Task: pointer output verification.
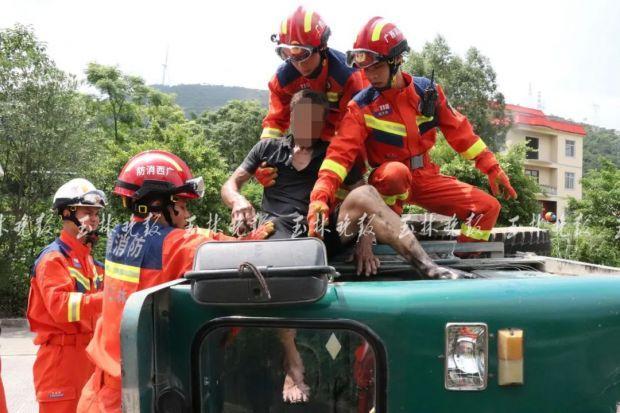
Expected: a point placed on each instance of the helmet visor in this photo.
(296, 53)
(194, 186)
(94, 198)
(362, 58)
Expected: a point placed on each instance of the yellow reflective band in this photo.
(474, 150)
(122, 272)
(204, 231)
(423, 119)
(391, 199)
(308, 21)
(376, 32)
(79, 277)
(73, 307)
(283, 26)
(332, 96)
(475, 233)
(341, 193)
(385, 125)
(271, 133)
(335, 167)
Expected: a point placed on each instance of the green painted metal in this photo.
(571, 325)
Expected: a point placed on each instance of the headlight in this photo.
(467, 347)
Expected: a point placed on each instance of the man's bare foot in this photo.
(295, 392)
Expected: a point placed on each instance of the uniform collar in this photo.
(408, 91)
(73, 243)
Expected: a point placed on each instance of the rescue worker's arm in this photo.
(61, 300)
(341, 155)
(278, 117)
(243, 214)
(461, 137)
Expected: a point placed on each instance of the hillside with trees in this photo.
(195, 99)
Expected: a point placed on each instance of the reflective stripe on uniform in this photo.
(332, 96)
(376, 32)
(271, 133)
(79, 277)
(335, 167)
(73, 307)
(385, 125)
(474, 150)
(423, 119)
(475, 233)
(122, 272)
(308, 21)
(391, 199)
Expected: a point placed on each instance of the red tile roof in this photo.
(535, 117)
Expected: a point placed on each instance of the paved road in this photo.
(17, 353)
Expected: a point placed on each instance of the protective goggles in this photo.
(94, 198)
(296, 53)
(195, 186)
(363, 58)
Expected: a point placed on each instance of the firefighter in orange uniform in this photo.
(65, 299)
(394, 121)
(152, 248)
(308, 64)
(2, 397)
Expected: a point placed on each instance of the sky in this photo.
(563, 55)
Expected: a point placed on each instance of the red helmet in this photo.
(158, 173)
(378, 40)
(305, 31)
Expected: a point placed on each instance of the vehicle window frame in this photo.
(381, 368)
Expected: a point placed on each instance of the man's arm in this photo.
(243, 213)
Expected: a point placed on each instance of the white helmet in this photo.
(78, 192)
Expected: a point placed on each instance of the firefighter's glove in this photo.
(266, 175)
(500, 184)
(318, 218)
(263, 231)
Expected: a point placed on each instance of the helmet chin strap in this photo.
(393, 66)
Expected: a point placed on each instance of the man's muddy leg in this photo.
(366, 201)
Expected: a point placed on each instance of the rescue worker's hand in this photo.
(318, 218)
(500, 184)
(365, 260)
(263, 231)
(266, 175)
(243, 216)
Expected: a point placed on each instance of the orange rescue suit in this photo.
(338, 81)
(64, 303)
(140, 254)
(396, 138)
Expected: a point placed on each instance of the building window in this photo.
(569, 180)
(532, 147)
(570, 148)
(534, 173)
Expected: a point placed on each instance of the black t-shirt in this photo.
(290, 195)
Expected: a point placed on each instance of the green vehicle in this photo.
(522, 334)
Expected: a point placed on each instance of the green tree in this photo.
(43, 127)
(121, 94)
(600, 143)
(469, 83)
(592, 233)
(235, 128)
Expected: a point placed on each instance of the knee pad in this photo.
(391, 179)
(393, 182)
